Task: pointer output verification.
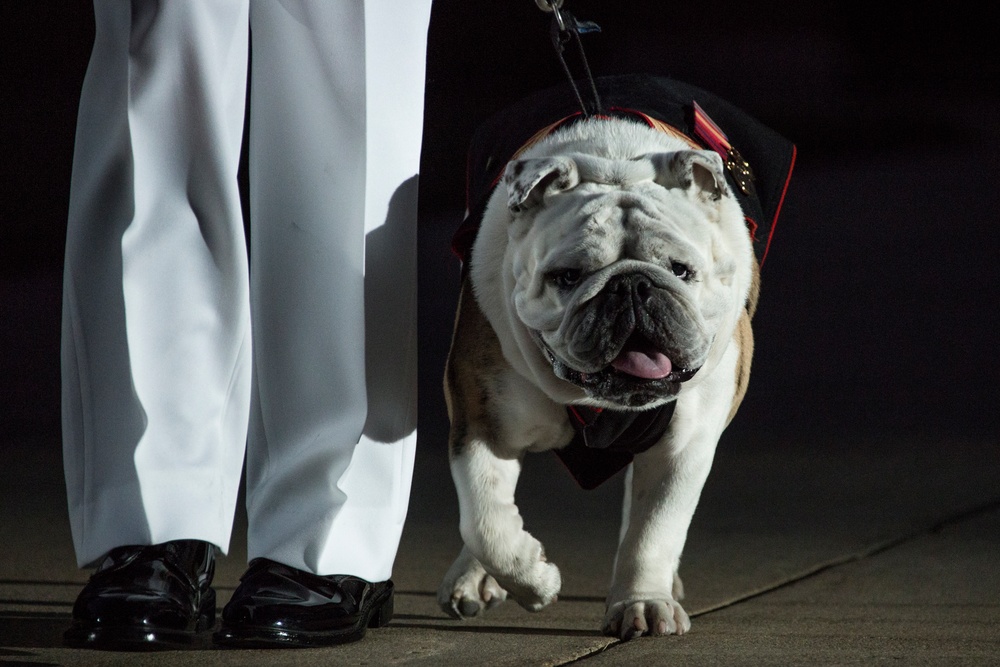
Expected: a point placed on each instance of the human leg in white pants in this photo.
(156, 320)
(335, 120)
(319, 500)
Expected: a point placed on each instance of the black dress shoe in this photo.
(146, 598)
(279, 606)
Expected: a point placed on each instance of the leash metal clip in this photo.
(553, 8)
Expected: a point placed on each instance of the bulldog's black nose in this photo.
(635, 286)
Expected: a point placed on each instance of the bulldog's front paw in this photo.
(537, 588)
(467, 589)
(655, 617)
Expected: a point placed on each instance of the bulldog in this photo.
(612, 278)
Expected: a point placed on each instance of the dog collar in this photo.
(614, 112)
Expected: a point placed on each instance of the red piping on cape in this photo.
(777, 211)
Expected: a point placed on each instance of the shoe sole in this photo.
(247, 636)
(135, 638)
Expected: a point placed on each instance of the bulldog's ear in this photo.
(699, 172)
(530, 179)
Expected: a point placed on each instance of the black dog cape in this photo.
(759, 165)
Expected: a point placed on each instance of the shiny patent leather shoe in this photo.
(277, 606)
(146, 598)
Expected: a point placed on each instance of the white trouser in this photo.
(158, 392)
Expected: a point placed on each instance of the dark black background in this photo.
(878, 318)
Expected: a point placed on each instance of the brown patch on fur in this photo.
(754, 294)
(475, 356)
(744, 340)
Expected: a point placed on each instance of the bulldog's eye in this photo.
(565, 278)
(682, 271)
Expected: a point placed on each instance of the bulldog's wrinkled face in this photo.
(623, 269)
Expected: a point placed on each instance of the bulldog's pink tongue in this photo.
(647, 365)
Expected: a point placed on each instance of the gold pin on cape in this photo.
(740, 169)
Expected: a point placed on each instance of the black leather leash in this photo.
(565, 28)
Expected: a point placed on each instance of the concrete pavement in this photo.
(794, 558)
